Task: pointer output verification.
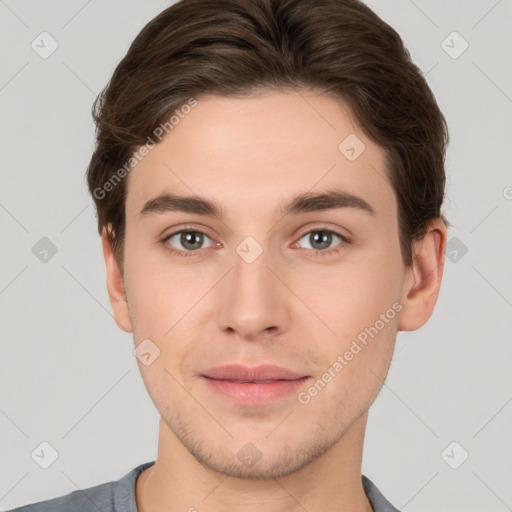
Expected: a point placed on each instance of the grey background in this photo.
(68, 374)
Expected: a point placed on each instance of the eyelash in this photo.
(316, 252)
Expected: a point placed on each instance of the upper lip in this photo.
(251, 374)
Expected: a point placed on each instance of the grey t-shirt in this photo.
(120, 497)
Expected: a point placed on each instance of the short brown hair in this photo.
(236, 47)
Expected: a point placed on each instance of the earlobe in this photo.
(423, 281)
(115, 285)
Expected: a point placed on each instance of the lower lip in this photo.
(251, 393)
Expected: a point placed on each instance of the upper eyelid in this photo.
(186, 230)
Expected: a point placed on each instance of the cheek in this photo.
(359, 301)
(151, 294)
(167, 303)
(355, 295)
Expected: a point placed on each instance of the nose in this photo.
(253, 302)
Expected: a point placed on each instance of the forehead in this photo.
(260, 150)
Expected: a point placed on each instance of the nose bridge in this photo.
(251, 266)
(252, 298)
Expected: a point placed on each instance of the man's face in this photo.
(261, 287)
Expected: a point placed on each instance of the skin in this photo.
(298, 305)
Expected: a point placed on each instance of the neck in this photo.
(178, 482)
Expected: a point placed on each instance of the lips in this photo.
(254, 386)
(259, 374)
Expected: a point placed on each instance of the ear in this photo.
(115, 285)
(423, 279)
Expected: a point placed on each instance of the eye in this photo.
(320, 239)
(190, 241)
(186, 242)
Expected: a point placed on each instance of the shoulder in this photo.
(115, 496)
(100, 497)
(376, 498)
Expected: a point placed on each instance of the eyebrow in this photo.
(302, 203)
